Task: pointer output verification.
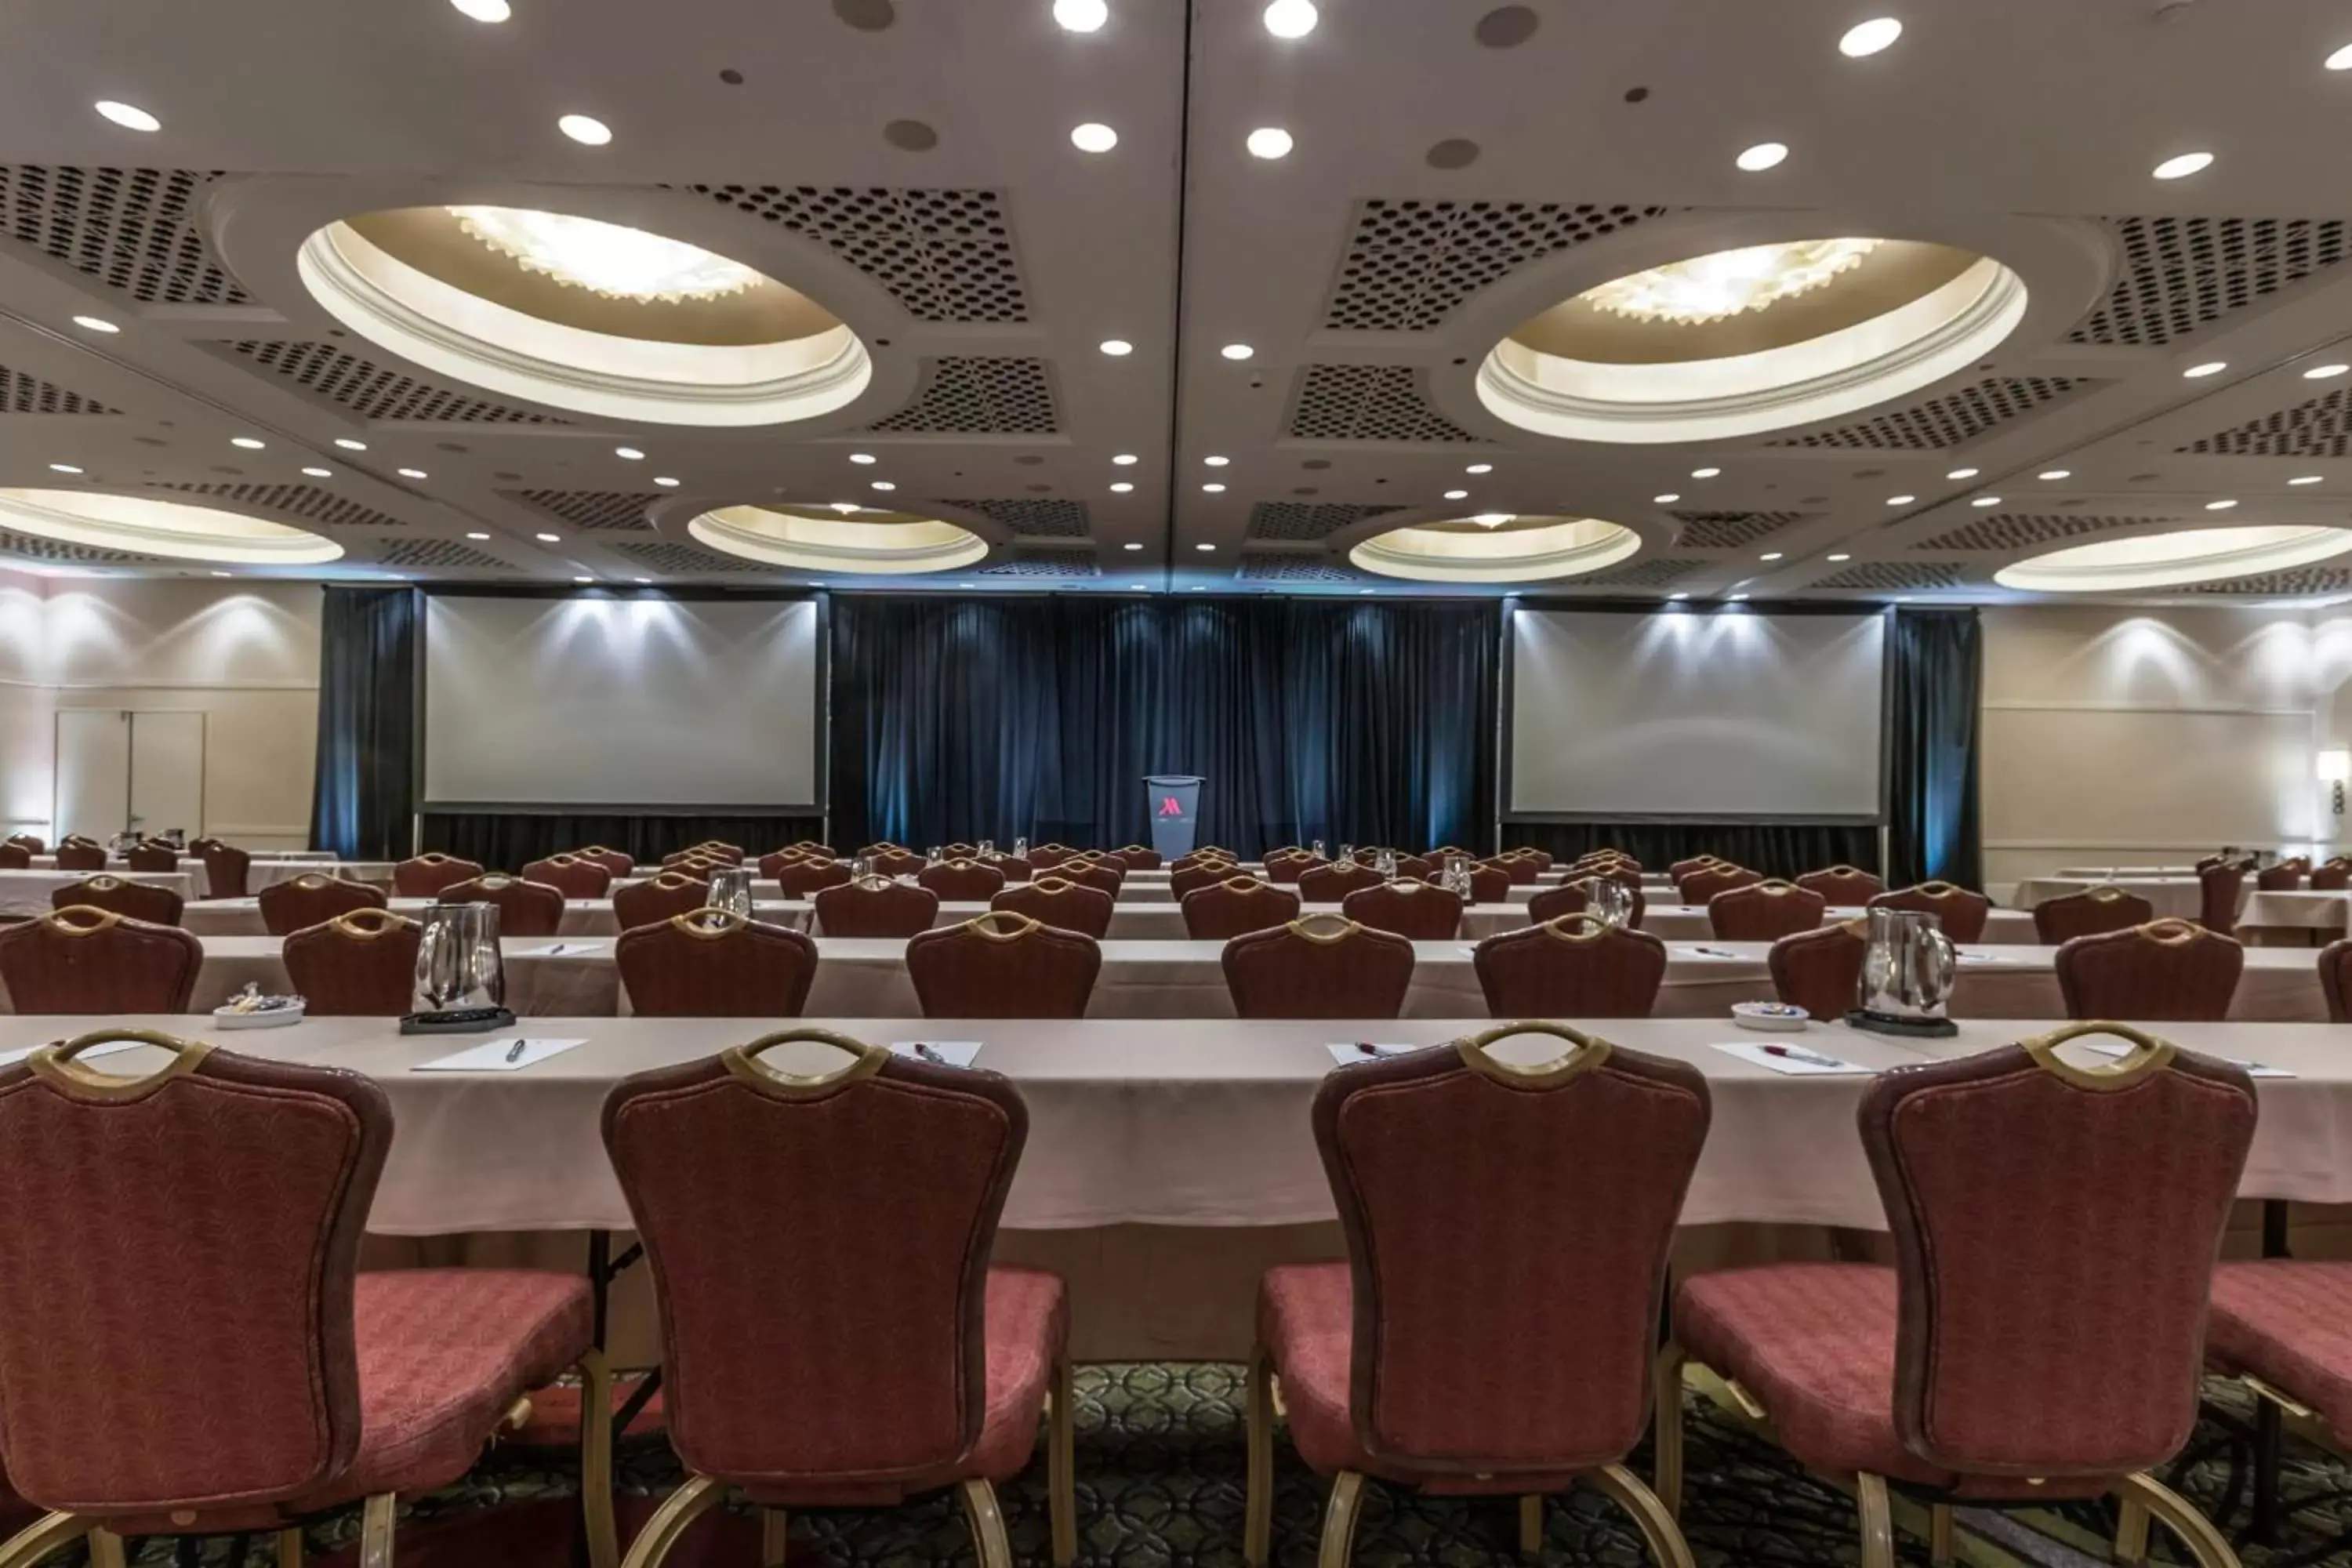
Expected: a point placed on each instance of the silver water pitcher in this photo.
(1907, 973)
(731, 891)
(1385, 864)
(1455, 877)
(459, 967)
(1609, 900)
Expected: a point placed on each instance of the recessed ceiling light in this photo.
(861, 456)
(1986, 501)
(1493, 519)
(1961, 474)
(1268, 142)
(348, 445)
(2341, 60)
(1081, 15)
(2055, 474)
(1214, 489)
(629, 454)
(2220, 505)
(2182, 166)
(1216, 462)
(250, 443)
(2326, 372)
(1198, 588)
(2211, 367)
(1704, 473)
(584, 579)
(1869, 38)
(477, 536)
(1841, 555)
(1457, 495)
(1763, 157)
(1737, 599)
(1479, 469)
(1093, 138)
(2306, 479)
(320, 473)
(1124, 459)
(1237, 350)
(843, 507)
(1139, 587)
(548, 538)
(64, 468)
(1291, 18)
(130, 116)
(220, 574)
(884, 485)
(1204, 548)
(1770, 555)
(666, 482)
(1900, 500)
(640, 579)
(1121, 487)
(1678, 595)
(1116, 347)
(413, 474)
(95, 324)
(1131, 545)
(484, 10)
(1666, 500)
(584, 129)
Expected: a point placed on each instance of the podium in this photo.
(1175, 801)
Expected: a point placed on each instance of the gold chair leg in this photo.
(987, 1522)
(2193, 1530)
(1666, 1426)
(43, 1536)
(1623, 1487)
(1257, 1515)
(289, 1548)
(1530, 1524)
(698, 1497)
(1877, 1522)
(773, 1521)
(596, 1461)
(2131, 1533)
(1339, 1519)
(1060, 1467)
(379, 1519)
(106, 1549)
(1939, 1534)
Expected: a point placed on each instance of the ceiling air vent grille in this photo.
(973, 396)
(1306, 519)
(439, 555)
(1938, 423)
(1044, 563)
(663, 555)
(1728, 530)
(1036, 518)
(373, 391)
(305, 501)
(132, 229)
(946, 256)
(1367, 402)
(33, 547)
(2297, 581)
(622, 511)
(1410, 263)
(2319, 428)
(2181, 273)
(1895, 575)
(22, 394)
(1269, 567)
(1656, 574)
(2015, 530)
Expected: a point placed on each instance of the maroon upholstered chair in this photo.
(1065, 906)
(240, 1186)
(1542, 857)
(1521, 869)
(962, 881)
(1003, 965)
(658, 897)
(2284, 878)
(146, 857)
(1015, 867)
(833, 1332)
(1140, 857)
(2042, 1333)
(1488, 884)
(1331, 883)
(16, 857)
(1819, 971)
(1186, 880)
(1682, 868)
(2282, 1325)
(1205, 852)
(958, 850)
(811, 847)
(571, 875)
(2335, 980)
(1100, 875)
(1492, 1331)
(875, 908)
(712, 963)
(1617, 871)
(1045, 857)
(140, 900)
(1702, 885)
(805, 878)
(2220, 889)
(1324, 966)
(1240, 903)
(1611, 860)
(83, 960)
(525, 907)
(1843, 887)
(1764, 912)
(29, 842)
(1959, 914)
(1285, 864)
(1574, 966)
(1438, 855)
(360, 964)
(1415, 910)
(424, 876)
(80, 854)
(1571, 899)
(2330, 876)
(226, 868)
(715, 848)
(2168, 971)
(698, 866)
(2091, 912)
(771, 865)
(897, 863)
(313, 897)
(614, 860)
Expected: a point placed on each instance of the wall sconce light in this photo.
(2335, 768)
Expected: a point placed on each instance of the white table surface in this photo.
(2302, 910)
(27, 893)
(2182, 898)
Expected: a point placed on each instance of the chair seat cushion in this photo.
(2289, 1324)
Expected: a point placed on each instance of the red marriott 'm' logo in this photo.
(1168, 806)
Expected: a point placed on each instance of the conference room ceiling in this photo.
(902, 178)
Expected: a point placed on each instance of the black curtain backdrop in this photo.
(1936, 672)
(506, 841)
(1777, 849)
(1307, 718)
(363, 798)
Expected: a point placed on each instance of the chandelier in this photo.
(605, 258)
(1729, 282)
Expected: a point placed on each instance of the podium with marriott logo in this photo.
(1175, 811)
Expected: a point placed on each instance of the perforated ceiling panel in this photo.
(1037, 519)
(1367, 402)
(1043, 563)
(1653, 573)
(306, 501)
(1939, 423)
(439, 555)
(22, 394)
(1269, 567)
(603, 510)
(946, 256)
(966, 395)
(132, 229)
(662, 556)
(2300, 581)
(2321, 427)
(33, 547)
(1728, 530)
(373, 391)
(2180, 273)
(2015, 530)
(1306, 519)
(1410, 263)
(1895, 575)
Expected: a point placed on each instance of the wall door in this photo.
(167, 773)
(122, 770)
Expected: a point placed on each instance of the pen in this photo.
(1799, 1054)
(928, 1054)
(1713, 952)
(515, 1055)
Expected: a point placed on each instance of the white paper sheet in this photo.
(947, 1053)
(499, 1055)
(1797, 1061)
(2253, 1069)
(1351, 1051)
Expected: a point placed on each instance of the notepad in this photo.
(499, 1055)
(1348, 1052)
(2253, 1069)
(10, 1058)
(1797, 1061)
(942, 1053)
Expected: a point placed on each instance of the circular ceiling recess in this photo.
(839, 538)
(584, 315)
(174, 529)
(1762, 338)
(1496, 547)
(2168, 560)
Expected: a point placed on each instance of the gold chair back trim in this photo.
(1242, 882)
(985, 927)
(1323, 929)
(64, 922)
(672, 881)
(312, 881)
(2105, 894)
(367, 924)
(1585, 1053)
(1590, 927)
(2149, 1055)
(707, 924)
(104, 882)
(1937, 889)
(744, 1062)
(2172, 932)
(54, 1065)
(1771, 888)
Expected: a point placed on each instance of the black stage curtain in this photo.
(1307, 718)
(1777, 849)
(363, 799)
(1936, 671)
(506, 841)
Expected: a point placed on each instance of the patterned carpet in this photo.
(1160, 1464)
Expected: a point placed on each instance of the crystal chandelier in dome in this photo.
(605, 258)
(1728, 282)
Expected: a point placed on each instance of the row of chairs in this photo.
(226, 868)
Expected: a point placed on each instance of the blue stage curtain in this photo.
(1935, 673)
(1307, 718)
(363, 795)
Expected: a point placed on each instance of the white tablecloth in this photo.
(2302, 911)
(2105, 871)
(2180, 896)
(27, 893)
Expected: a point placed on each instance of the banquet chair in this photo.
(2168, 971)
(83, 960)
(1045, 857)
(1100, 875)
(1682, 868)
(1200, 856)
(294, 1385)
(2331, 876)
(1140, 857)
(962, 881)
(804, 879)
(29, 842)
(875, 907)
(1488, 884)
(897, 863)
(1571, 899)
(2220, 889)
(811, 847)
(2091, 912)
(1285, 866)
(1764, 912)
(714, 964)
(525, 907)
(881, 846)
(1015, 867)
(1518, 867)
(1989, 1364)
(1240, 903)
(1819, 971)
(774, 861)
(2284, 878)
(1324, 966)
(1612, 870)
(1003, 965)
(1066, 906)
(1491, 1331)
(1616, 858)
(140, 900)
(1542, 857)
(1183, 883)
(312, 897)
(80, 854)
(226, 870)
(2335, 980)
(424, 876)
(571, 875)
(958, 850)
(732, 853)
(1699, 887)
(1415, 910)
(360, 964)
(151, 858)
(1330, 884)
(2280, 1326)
(1843, 887)
(14, 856)
(1574, 966)
(802, 1364)
(657, 899)
(698, 866)
(612, 860)
(1959, 914)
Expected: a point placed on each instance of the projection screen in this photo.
(620, 702)
(1726, 716)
